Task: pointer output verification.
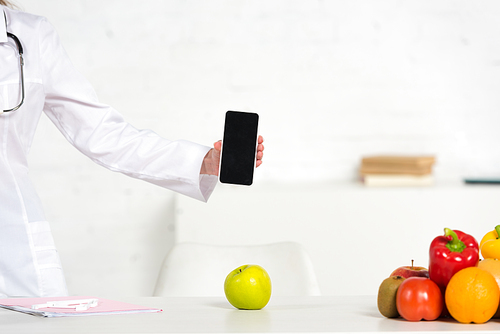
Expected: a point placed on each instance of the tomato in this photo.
(419, 298)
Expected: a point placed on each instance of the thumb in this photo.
(218, 145)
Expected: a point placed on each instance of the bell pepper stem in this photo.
(497, 229)
(455, 244)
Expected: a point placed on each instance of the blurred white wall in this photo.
(356, 236)
(331, 80)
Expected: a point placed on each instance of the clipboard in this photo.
(50, 307)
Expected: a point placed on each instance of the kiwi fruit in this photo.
(386, 300)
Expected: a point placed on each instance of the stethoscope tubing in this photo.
(21, 65)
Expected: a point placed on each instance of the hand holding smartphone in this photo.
(239, 148)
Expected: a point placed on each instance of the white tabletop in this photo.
(216, 315)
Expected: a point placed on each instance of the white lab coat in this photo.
(29, 263)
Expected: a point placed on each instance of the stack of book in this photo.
(397, 170)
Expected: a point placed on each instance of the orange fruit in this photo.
(493, 267)
(472, 295)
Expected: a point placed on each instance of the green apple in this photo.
(248, 287)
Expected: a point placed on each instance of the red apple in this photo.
(410, 271)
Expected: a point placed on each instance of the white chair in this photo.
(192, 269)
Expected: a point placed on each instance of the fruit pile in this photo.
(458, 283)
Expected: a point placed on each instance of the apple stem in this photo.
(411, 264)
(240, 270)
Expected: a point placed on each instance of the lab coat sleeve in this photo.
(101, 133)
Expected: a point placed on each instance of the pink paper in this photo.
(104, 305)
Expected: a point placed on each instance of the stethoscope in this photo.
(21, 64)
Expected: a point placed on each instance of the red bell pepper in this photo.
(449, 254)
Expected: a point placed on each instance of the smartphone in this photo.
(239, 148)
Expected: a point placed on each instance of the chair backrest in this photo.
(192, 269)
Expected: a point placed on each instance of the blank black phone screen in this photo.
(239, 146)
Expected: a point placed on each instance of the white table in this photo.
(215, 315)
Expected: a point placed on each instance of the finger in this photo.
(260, 140)
(260, 155)
(260, 147)
(258, 163)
